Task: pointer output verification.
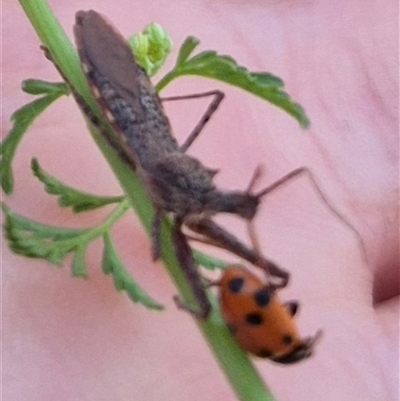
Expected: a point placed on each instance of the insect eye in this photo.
(262, 298)
(236, 284)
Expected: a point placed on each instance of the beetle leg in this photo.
(292, 307)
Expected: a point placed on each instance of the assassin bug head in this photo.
(249, 203)
(245, 203)
(242, 203)
(261, 324)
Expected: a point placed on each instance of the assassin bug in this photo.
(260, 323)
(176, 182)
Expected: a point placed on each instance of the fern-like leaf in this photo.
(80, 201)
(123, 281)
(22, 119)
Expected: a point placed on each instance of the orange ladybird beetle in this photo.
(261, 324)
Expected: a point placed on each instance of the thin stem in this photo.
(165, 80)
(98, 231)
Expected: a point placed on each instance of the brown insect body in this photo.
(157, 157)
(175, 182)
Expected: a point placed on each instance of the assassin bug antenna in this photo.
(304, 170)
(213, 234)
(255, 177)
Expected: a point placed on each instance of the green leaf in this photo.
(266, 78)
(123, 281)
(35, 240)
(22, 119)
(224, 68)
(39, 87)
(78, 264)
(69, 197)
(186, 49)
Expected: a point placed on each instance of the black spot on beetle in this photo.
(255, 319)
(287, 339)
(264, 353)
(262, 297)
(236, 284)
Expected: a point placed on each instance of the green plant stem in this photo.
(114, 216)
(165, 80)
(244, 379)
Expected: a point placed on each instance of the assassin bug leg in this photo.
(174, 181)
(216, 235)
(188, 265)
(211, 109)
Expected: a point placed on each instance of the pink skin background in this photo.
(70, 339)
